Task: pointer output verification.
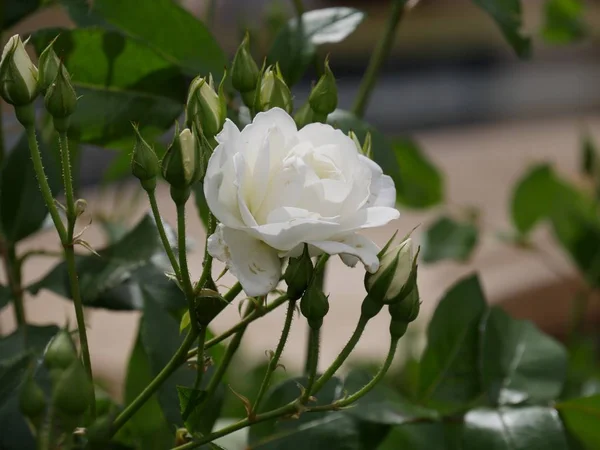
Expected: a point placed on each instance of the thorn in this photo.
(269, 354)
(282, 366)
(312, 398)
(86, 245)
(225, 270)
(246, 402)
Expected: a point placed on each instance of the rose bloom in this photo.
(274, 188)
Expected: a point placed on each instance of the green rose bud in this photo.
(244, 71)
(398, 329)
(408, 308)
(32, 400)
(144, 162)
(208, 305)
(314, 306)
(274, 93)
(396, 275)
(370, 308)
(18, 75)
(73, 392)
(60, 352)
(181, 164)
(205, 150)
(323, 98)
(61, 99)
(298, 274)
(304, 116)
(48, 65)
(206, 108)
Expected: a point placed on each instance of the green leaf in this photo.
(382, 404)
(201, 205)
(518, 362)
(115, 279)
(161, 25)
(563, 21)
(294, 47)
(448, 239)
(12, 372)
(533, 198)
(508, 16)
(426, 436)
(22, 207)
(528, 428)
(448, 376)
(200, 420)
(589, 156)
(16, 10)
(120, 81)
(420, 183)
(581, 417)
(318, 431)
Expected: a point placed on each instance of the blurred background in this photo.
(453, 84)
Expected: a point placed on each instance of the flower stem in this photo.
(245, 321)
(163, 235)
(12, 269)
(206, 276)
(199, 373)
(178, 358)
(312, 361)
(379, 55)
(337, 363)
(274, 362)
(69, 250)
(185, 273)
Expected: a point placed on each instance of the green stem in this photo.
(177, 360)
(199, 373)
(337, 363)
(206, 276)
(185, 273)
(12, 268)
(245, 321)
(63, 143)
(2, 149)
(379, 55)
(163, 235)
(312, 361)
(274, 362)
(299, 7)
(38, 167)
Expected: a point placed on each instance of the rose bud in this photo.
(274, 93)
(180, 165)
(298, 274)
(32, 401)
(244, 71)
(396, 275)
(18, 75)
(314, 306)
(144, 162)
(61, 99)
(60, 352)
(406, 310)
(73, 391)
(205, 107)
(323, 98)
(48, 64)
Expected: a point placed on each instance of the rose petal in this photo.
(256, 266)
(354, 245)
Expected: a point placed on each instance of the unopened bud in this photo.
(61, 99)
(144, 162)
(398, 329)
(244, 71)
(298, 274)
(274, 93)
(314, 306)
(205, 150)
(323, 98)
(73, 391)
(370, 308)
(48, 65)
(206, 108)
(208, 304)
(18, 75)
(181, 164)
(60, 352)
(408, 308)
(396, 275)
(32, 400)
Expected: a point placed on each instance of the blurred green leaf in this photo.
(120, 81)
(201, 204)
(589, 156)
(533, 198)
(200, 420)
(162, 25)
(383, 405)
(581, 417)
(424, 436)
(12, 372)
(449, 367)
(420, 183)
(508, 16)
(294, 47)
(448, 239)
(527, 428)
(16, 10)
(116, 279)
(563, 21)
(22, 207)
(518, 362)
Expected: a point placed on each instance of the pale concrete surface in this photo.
(480, 165)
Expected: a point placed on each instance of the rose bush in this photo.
(273, 188)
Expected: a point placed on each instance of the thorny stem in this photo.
(162, 233)
(312, 361)
(185, 273)
(12, 269)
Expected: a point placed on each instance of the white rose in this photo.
(273, 188)
(18, 75)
